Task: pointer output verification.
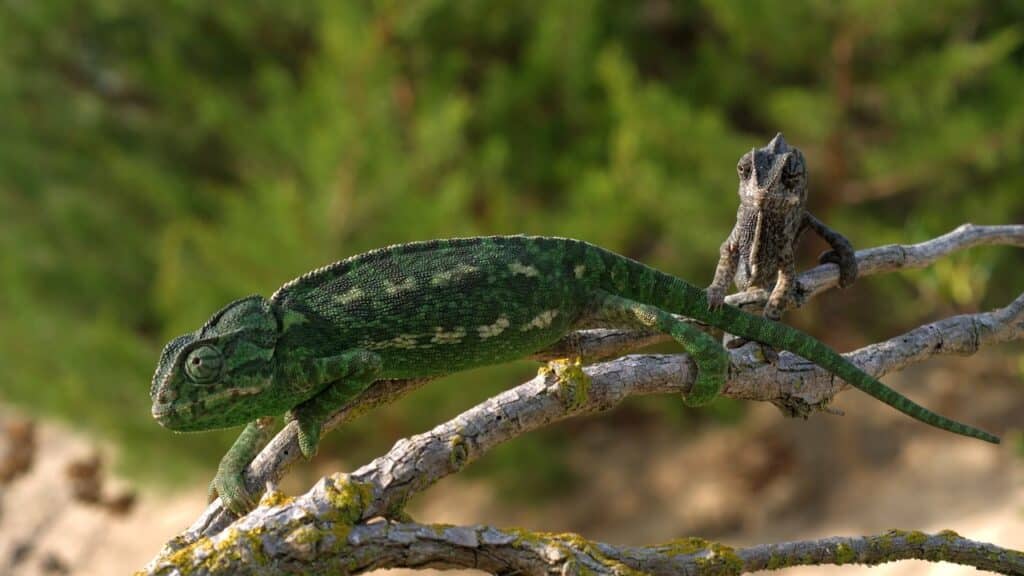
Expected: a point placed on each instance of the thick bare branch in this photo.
(333, 547)
(895, 257)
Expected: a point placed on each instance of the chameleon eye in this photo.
(203, 364)
(743, 168)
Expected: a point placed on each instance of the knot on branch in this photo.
(347, 498)
(795, 406)
(458, 452)
(572, 381)
(273, 496)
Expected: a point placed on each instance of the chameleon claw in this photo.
(715, 297)
(309, 437)
(230, 488)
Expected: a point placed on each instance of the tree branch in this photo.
(893, 257)
(331, 547)
(563, 390)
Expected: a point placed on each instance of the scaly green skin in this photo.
(431, 308)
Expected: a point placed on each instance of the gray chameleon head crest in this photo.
(773, 177)
(218, 376)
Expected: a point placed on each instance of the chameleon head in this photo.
(773, 178)
(216, 376)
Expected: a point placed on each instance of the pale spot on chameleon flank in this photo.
(492, 330)
(403, 286)
(402, 341)
(349, 296)
(448, 276)
(542, 320)
(451, 337)
(518, 267)
(579, 270)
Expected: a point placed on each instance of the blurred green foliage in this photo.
(160, 159)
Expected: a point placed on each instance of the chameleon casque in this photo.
(772, 215)
(431, 308)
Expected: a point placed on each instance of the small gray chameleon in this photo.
(772, 215)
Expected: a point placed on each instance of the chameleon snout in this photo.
(161, 410)
(163, 404)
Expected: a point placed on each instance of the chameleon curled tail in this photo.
(760, 329)
(735, 321)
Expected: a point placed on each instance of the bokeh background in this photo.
(160, 159)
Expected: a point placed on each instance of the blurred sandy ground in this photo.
(766, 480)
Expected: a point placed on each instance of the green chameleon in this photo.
(431, 308)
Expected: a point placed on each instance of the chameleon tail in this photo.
(644, 284)
(760, 329)
(653, 287)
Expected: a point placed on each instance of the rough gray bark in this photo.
(318, 526)
(323, 548)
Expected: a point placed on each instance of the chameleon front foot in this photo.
(229, 486)
(715, 296)
(847, 262)
(351, 372)
(229, 483)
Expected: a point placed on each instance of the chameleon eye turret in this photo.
(217, 376)
(744, 166)
(204, 364)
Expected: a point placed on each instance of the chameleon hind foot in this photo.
(309, 432)
(709, 356)
(231, 490)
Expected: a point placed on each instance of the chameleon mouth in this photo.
(162, 414)
(172, 415)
